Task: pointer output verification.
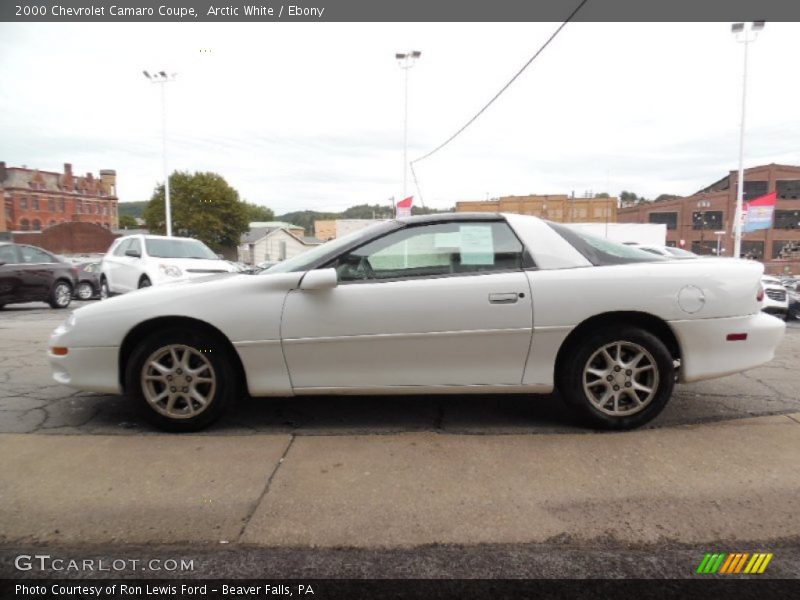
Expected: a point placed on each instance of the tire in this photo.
(105, 293)
(61, 294)
(144, 282)
(603, 404)
(179, 412)
(84, 291)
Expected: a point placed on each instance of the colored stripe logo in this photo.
(734, 563)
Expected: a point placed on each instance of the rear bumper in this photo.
(706, 353)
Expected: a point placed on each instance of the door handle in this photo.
(509, 298)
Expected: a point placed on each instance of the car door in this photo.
(130, 267)
(10, 280)
(112, 264)
(444, 304)
(36, 271)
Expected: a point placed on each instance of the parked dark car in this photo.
(88, 281)
(30, 274)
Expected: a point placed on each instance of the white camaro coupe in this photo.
(447, 303)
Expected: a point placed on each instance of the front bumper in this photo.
(706, 352)
(91, 369)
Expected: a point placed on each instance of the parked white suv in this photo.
(776, 298)
(138, 261)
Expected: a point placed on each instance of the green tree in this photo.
(127, 222)
(256, 212)
(663, 197)
(203, 206)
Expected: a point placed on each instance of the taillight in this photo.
(760, 294)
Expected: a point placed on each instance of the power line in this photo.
(498, 94)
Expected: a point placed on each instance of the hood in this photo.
(195, 265)
(178, 296)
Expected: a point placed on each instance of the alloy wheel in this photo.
(178, 381)
(620, 378)
(62, 294)
(84, 291)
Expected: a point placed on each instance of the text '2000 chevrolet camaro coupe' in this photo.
(448, 303)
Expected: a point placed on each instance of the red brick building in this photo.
(692, 221)
(35, 200)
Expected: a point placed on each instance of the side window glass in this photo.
(34, 255)
(434, 250)
(123, 246)
(136, 245)
(8, 253)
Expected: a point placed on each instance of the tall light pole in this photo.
(745, 33)
(406, 60)
(162, 78)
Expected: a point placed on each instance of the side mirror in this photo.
(320, 279)
(2, 262)
(133, 253)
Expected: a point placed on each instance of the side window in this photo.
(34, 255)
(136, 245)
(123, 246)
(8, 254)
(461, 247)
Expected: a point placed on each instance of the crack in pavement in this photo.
(265, 491)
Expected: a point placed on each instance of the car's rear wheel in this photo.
(182, 380)
(60, 295)
(84, 290)
(144, 282)
(618, 377)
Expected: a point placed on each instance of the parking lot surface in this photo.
(409, 486)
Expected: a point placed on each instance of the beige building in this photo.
(273, 244)
(554, 207)
(325, 230)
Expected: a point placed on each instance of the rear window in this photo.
(601, 251)
(177, 248)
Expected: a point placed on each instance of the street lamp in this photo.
(161, 77)
(745, 33)
(406, 60)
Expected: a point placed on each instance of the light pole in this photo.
(745, 33)
(406, 60)
(162, 78)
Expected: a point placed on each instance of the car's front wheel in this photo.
(105, 293)
(618, 377)
(60, 295)
(182, 380)
(84, 291)
(144, 282)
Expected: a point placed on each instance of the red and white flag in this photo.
(404, 207)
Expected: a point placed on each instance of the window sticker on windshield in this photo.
(476, 245)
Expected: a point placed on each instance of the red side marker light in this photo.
(760, 294)
(59, 350)
(736, 337)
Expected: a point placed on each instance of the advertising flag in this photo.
(404, 207)
(758, 213)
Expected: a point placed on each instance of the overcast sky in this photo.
(310, 116)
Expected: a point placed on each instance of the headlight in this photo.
(170, 270)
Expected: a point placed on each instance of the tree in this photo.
(256, 212)
(127, 222)
(663, 197)
(203, 206)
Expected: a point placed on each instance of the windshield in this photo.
(602, 251)
(680, 252)
(304, 261)
(178, 248)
